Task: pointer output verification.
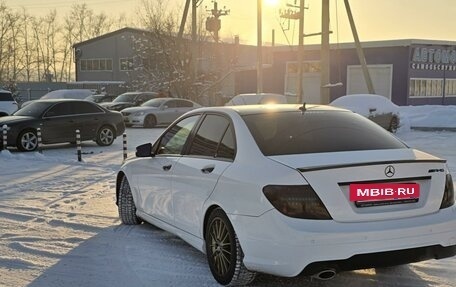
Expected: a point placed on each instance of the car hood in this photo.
(335, 159)
(116, 105)
(8, 120)
(139, 109)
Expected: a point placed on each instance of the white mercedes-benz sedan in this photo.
(288, 190)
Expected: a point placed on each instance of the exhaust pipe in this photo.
(324, 275)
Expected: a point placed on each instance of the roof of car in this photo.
(60, 100)
(259, 109)
(139, 93)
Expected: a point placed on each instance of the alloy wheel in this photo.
(106, 136)
(29, 141)
(220, 246)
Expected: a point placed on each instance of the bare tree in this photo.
(162, 61)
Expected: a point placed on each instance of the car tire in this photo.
(224, 252)
(105, 136)
(150, 121)
(27, 140)
(126, 206)
(394, 124)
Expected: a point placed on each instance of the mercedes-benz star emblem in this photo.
(389, 171)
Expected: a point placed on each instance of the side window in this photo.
(174, 139)
(171, 104)
(209, 135)
(6, 97)
(227, 147)
(61, 109)
(85, 108)
(140, 99)
(184, 104)
(150, 97)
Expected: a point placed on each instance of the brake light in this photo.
(448, 195)
(298, 201)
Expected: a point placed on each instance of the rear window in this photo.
(6, 97)
(285, 133)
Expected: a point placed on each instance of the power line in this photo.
(63, 3)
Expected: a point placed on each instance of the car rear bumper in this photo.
(382, 259)
(131, 120)
(284, 246)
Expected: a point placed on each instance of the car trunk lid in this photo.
(331, 174)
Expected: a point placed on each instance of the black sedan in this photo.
(58, 120)
(129, 99)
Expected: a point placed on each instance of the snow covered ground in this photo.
(59, 226)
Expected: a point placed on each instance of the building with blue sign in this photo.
(409, 72)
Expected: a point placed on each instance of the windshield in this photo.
(130, 98)
(153, 103)
(34, 109)
(284, 133)
(94, 98)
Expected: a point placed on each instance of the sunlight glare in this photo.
(273, 3)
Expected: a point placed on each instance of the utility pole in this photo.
(259, 48)
(325, 53)
(299, 96)
(359, 50)
(183, 20)
(194, 40)
(213, 24)
(292, 14)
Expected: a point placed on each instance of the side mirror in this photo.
(371, 110)
(144, 150)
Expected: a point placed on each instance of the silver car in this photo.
(159, 111)
(378, 109)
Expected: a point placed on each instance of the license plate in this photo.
(374, 194)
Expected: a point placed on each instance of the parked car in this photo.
(79, 94)
(160, 111)
(290, 189)
(129, 99)
(58, 120)
(257, 99)
(374, 107)
(100, 98)
(7, 103)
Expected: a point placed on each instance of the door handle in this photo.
(208, 169)
(167, 167)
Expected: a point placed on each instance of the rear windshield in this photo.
(283, 133)
(6, 97)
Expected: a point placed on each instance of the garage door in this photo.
(310, 88)
(381, 76)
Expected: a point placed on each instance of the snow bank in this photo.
(429, 116)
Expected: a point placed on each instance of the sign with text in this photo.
(384, 191)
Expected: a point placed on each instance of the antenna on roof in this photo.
(303, 107)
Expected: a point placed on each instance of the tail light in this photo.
(298, 201)
(448, 195)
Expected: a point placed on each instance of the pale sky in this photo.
(375, 19)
